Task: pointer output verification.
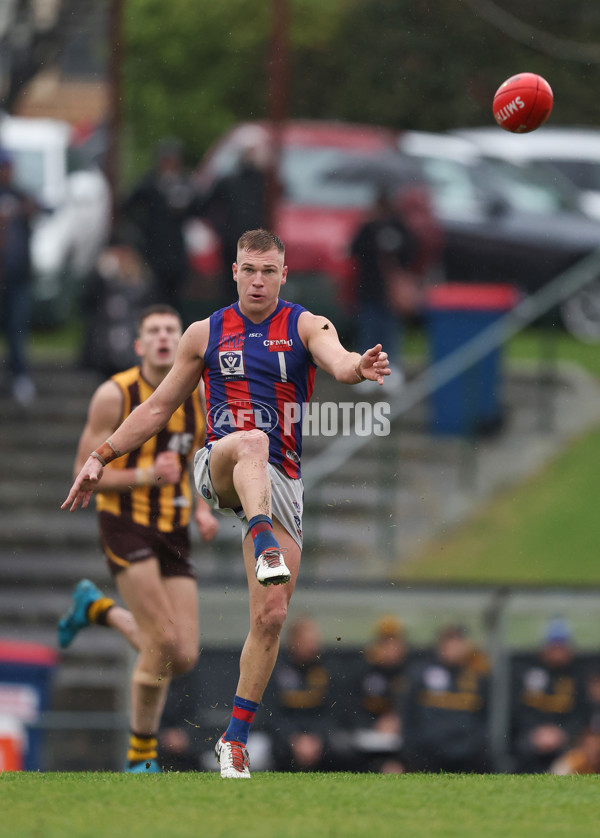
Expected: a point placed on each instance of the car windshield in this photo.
(463, 189)
(454, 191)
(585, 174)
(309, 177)
(28, 166)
(525, 188)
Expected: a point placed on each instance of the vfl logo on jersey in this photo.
(205, 492)
(232, 363)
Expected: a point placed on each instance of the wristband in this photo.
(106, 453)
(145, 476)
(359, 374)
(99, 458)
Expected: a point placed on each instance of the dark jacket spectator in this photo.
(549, 706)
(378, 690)
(445, 712)
(157, 209)
(17, 210)
(304, 727)
(116, 292)
(383, 248)
(238, 202)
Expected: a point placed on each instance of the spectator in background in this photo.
(17, 210)
(379, 690)
(583, 758)
(239, 202)
(549, 706)
(445, 715)
(416, 208)
(387, 289)
(116, 292)
(304, 727)
(158, 208)
(592, 691)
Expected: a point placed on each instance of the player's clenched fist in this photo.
(167, 467)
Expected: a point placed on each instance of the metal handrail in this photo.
(563, 286)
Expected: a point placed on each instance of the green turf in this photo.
(541, 532)
(297, 806)
(539, 343)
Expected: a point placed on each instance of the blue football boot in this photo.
(76, 618)
(146, 766)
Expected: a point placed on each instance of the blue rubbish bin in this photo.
(470, 403)
(25, 679)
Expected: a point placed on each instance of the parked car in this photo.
(319, 208)
(68, 234)
(574, 152)
(501, 222)
(508, 222)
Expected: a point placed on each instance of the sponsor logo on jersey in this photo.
(205, 492)
(279, 344)
(291, 455)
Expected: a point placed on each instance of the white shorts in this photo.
(287, 497)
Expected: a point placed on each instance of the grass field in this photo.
(297, 806)
(541, 532)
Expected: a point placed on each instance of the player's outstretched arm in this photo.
(321, 339)
(147, 419)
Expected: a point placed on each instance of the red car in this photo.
(323, 200)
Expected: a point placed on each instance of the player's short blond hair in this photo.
(259, 241)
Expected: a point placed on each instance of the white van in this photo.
(75, 221)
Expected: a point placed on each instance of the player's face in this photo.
(259, 277)
(158, 340)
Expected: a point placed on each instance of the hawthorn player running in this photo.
(144, 505)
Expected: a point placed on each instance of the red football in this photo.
(522, 103)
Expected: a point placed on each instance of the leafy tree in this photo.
(195, 67)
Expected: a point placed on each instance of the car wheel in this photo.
(581, 313)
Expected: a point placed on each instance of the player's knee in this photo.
(162, 644)
(270, 619)
(254, 444)
(184, 659)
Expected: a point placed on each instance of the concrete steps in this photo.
(361, 523)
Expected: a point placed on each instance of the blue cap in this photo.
(557, 631)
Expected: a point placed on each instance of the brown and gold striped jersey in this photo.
(167, 507)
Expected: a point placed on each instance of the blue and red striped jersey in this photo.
(259, 375)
